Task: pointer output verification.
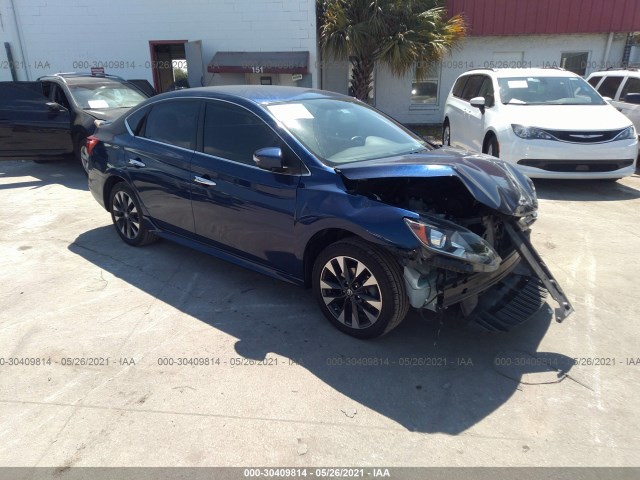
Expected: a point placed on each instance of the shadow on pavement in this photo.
(459, 389)
(585, 190)
(63, 172)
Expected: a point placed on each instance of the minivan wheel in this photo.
(493, 147)
(127, 216)
(446, 134)
(359, 288)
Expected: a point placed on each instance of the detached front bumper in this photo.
(509, 296)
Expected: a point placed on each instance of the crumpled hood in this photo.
(492, 182)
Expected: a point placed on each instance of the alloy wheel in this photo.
(84, 158)
(446, 136)
(126, 215)
(351, 292)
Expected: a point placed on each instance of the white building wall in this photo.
(393, 95)
(59, 34)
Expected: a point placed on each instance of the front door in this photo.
(237, 206)
(31, 127)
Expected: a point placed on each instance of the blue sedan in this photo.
(323, 191)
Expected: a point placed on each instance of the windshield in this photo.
(99, 95)
(343, 131)
(548, 91)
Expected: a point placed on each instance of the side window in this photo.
(136, 120)
(22, 96)
(609, 86)
(593, 81)
(631, 86)
(486, 91)
(233, 133)
(173, 122)
(60, 97)
(472, 87)
(458, 87)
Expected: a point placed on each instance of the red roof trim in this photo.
(539, 17)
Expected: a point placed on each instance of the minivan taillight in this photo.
(91, 143)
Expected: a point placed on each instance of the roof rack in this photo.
(630, 69)
(482, 68)
(62, 75)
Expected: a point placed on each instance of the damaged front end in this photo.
(473, 224)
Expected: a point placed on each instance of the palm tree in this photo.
(406, 35)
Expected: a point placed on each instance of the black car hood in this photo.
(107, 114)
(492, 182)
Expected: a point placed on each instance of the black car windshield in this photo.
(550, 90)
(344, 131)
(108, 94)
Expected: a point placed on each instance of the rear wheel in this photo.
(127, 216)
(359, 288)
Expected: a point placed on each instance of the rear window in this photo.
(174, 123)
(609, 86)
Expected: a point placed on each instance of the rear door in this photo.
(237, 206)
(29, 127)
(472, 118)
(455, 111)
(159, 161)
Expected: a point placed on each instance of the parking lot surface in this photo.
(161, 355)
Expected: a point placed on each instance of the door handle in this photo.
(204, 181)
(136, 163)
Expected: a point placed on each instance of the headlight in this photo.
(531, 133)
(627, 134)
(454, 241)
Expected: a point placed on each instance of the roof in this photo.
(255, 93)
(259, 62)
(523, 72)
(541, 17)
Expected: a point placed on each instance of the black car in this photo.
(321, 190)
(51, 117)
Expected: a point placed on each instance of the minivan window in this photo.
(173, 122)
(550, 90)
(486, 91)
(458, 87)
(593, 81)
(609, 86)
(472, 87)
(631, 86)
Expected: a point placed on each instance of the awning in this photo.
(259, 62)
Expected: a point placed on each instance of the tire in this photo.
(387, 303)
(492, 147)
(446, 134)
(127, 217)
(80, 152)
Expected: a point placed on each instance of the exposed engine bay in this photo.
(495, 296)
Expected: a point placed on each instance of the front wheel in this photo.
(493, 147)
(446, 134)
(359, 288)
(127, 216)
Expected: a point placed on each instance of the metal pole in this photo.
(12, 66)
(20, 42)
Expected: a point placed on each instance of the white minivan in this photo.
(549, 122)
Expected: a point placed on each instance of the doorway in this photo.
(168, 64)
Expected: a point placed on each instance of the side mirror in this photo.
(269, 158)
(478, 102)
(54, 107)
(632, 98)
(607, 99)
